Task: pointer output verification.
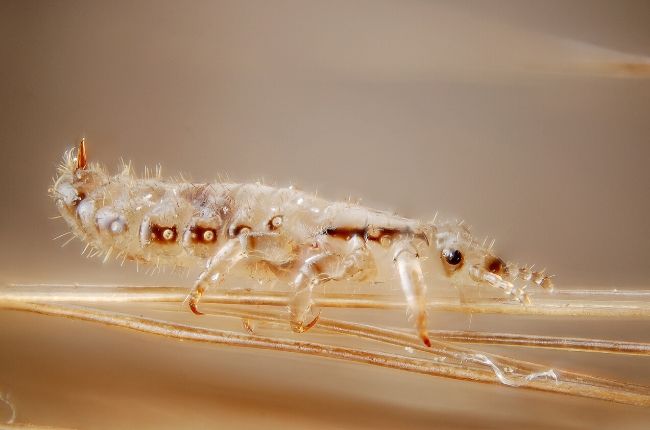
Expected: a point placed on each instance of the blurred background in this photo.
(527, 119)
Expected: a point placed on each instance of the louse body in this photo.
(296, 237)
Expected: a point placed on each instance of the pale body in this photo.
(291, 235)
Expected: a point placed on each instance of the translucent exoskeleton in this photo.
(301, 239)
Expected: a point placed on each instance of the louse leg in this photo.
(316, 270)
(415, 290)
(227, 256)
(514, 292)
(303, 314)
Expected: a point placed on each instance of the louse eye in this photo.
(453, 257)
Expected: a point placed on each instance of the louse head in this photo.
(77, 178)
(467, 262)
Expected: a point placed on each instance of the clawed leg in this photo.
(415, 290)
(357, 264)
(303, 314)
(514, 292)
(227, 256)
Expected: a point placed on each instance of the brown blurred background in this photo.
(530, 120)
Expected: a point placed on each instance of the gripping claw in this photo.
(300, 327)
(194, 309)
(194, 298)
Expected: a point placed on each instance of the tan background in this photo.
(512, 115)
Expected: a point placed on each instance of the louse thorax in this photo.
(467, 262)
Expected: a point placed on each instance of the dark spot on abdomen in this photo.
(203, 235)
(163, 234)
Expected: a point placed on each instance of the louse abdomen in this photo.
(171, 228)
(148, 221)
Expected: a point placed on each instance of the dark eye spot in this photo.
(452, 256)
(495, 265)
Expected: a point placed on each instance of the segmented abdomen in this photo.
(153, 221)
